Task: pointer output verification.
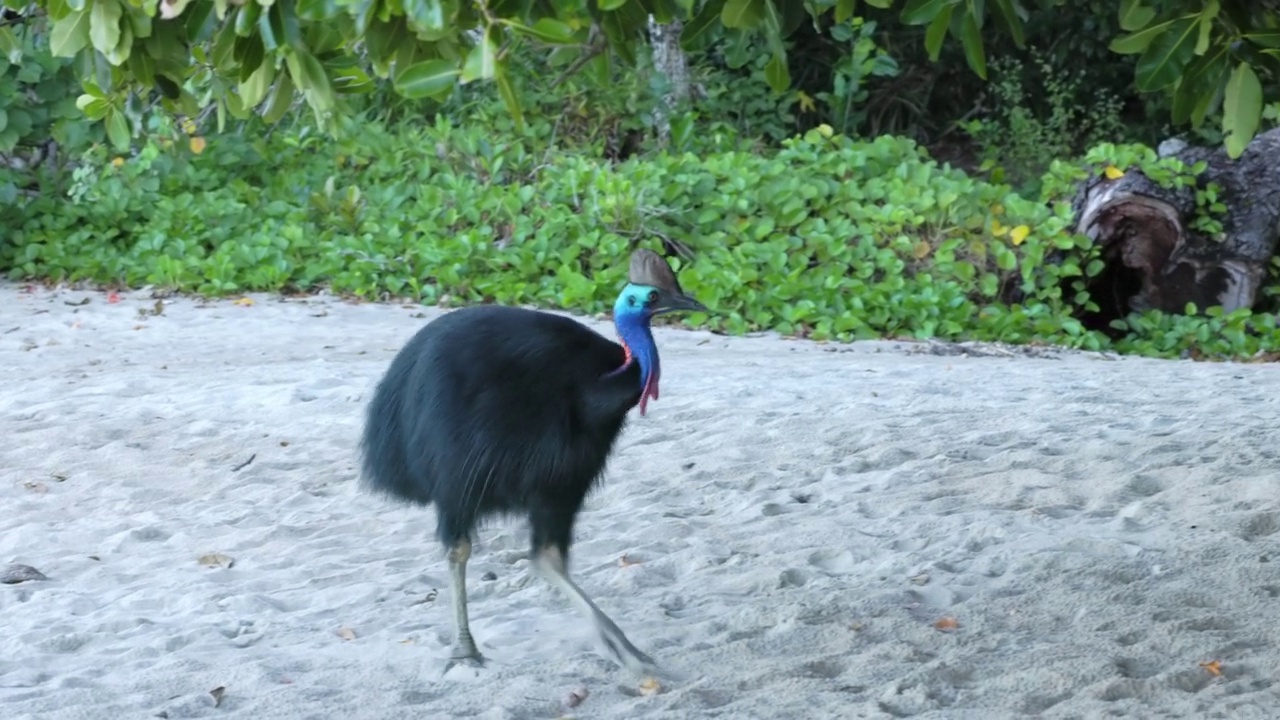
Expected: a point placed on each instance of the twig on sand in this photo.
(244, 464)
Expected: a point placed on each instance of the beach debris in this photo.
(576, 696)
(489, 576)
(156, 310)
(38, 488)
(429, 597)
(244, 464)
(244, 301)
(113, 297)
(76, 303)
(346, 633)
(946, 624)
(921, 579)
(213, 560)
(626, 561)
(218, 694)
(650, 686)
(1213, 667)
(18, 573)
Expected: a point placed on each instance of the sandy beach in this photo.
(795, 530)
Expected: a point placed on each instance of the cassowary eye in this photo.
(653, 296)
(631, 301)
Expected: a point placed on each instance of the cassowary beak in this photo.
(676, 302)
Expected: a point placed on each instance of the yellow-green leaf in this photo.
(70, 34)
(611, 4)
(1113, 173)
(104, 26)
(1241, 109)
(1019, 234)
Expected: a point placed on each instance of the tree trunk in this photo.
(669, 60)
(1156, 260)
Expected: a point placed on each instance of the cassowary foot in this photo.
(460, 658)
(621, 649)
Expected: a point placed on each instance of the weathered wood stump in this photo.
(1156, 260)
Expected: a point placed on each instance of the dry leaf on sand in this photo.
(576, 697)
(216, 560)
(1213, 667)
(346, 633)
(650, 686)
(947, 624)
(217, 694)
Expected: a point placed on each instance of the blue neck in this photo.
(632, 323)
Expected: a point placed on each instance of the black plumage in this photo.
(491, 409)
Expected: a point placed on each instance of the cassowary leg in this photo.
(549, 562)
(464, 648)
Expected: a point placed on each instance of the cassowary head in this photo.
(652, 290)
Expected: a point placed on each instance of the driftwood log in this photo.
(1156, 260)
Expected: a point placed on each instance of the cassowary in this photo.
(492, 409)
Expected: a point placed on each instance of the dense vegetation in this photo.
(820, 211)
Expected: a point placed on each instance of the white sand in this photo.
(801, 515)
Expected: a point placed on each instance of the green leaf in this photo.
(550, 30)
(1139, 41)
(95, 108)
(509, 97)
(104, 26)
(1012, 16)
(1264, 38)
(426, 14)
(607, 5)
(480, 61)
(254, 89)
(1207, 16)
(882, 4)
(427, 79)
(844, 9)
(1133, 16)
(919, 12)
(10, 46)
(777, 74)
(699, 30)
(70, 34)
(742, 14)
(281, 99)
(118, 130)
(937, 32)
(974, 52)
(1241, 109)
(1163, 62)
(1202, 79)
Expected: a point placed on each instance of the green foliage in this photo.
(1019, 138)
(828, 238)
(242, 58)
(37, 102)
